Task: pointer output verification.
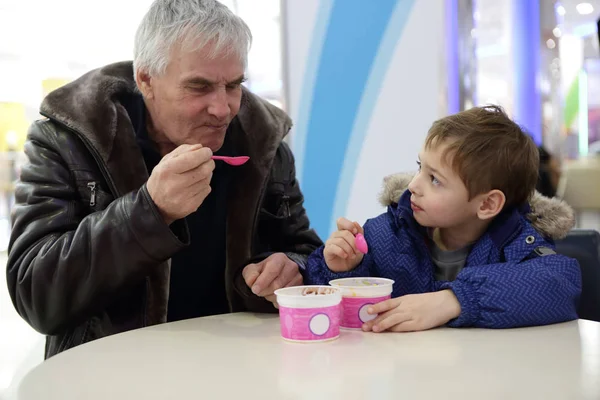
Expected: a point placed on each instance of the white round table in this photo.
(242, 356)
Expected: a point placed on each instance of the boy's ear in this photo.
(490, 204)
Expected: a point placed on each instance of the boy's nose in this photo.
(413, 186)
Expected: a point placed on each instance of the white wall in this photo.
(343, 152)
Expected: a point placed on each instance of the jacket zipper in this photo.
(92, 187)
(286, 205)
(260, 200)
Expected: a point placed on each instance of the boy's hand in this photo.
(414, 312)
(340, 250)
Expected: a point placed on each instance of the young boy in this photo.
(461, 241)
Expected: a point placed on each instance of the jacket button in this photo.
(529, 239)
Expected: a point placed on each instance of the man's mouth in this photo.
(217, 127)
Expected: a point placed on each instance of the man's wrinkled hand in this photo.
(275, 272)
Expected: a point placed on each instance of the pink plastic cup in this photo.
(357, 295)
(309, 313)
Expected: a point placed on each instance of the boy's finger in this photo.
(406, 326)
(344, 224)
(384, 306)
(359, 229)
(337, 251)
(345, 240)
(390, 321)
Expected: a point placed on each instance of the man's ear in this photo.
(144, 84)
(490, 204)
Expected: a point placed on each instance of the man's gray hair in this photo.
(188, 23)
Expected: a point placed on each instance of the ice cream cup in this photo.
(357, 295)
(309, 313)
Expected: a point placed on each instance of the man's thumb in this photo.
(251, 273)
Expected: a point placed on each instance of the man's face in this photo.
(195, 99)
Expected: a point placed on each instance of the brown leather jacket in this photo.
(89, 253)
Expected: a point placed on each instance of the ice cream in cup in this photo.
(309, 313)
(357, 295)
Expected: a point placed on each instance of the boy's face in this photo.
(439, 197)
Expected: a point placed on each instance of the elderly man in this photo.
(123, 220)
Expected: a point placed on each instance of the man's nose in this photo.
(219, 107)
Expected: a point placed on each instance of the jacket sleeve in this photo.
(540, 291)
(318, 273)
(64, 263)
(283, 225)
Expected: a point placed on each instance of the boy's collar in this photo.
(506, 225)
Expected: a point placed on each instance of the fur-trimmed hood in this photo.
(552, 218)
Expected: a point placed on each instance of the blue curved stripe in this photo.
(308, 82)
(365, 112)
(353, 36)
(526, 64)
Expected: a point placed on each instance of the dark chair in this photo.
(584, 246)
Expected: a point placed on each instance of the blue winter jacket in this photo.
(510, 279)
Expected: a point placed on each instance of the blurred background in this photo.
(363, 81)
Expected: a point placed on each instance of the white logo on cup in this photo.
(364, 315)
(319, 324)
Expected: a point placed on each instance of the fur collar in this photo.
(552, 218)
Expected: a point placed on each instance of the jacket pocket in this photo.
(274, 216)
(93, 195)
(276, 213)
(276, 203)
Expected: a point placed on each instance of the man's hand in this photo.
(414, 312)
(181, 181)
(340, 250)
(275, 272)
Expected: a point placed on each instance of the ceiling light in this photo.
(550, 43)
(556, 31)
(584, 8)
(560, 10)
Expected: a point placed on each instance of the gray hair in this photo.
(188, 23)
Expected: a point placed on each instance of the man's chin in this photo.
(214, 145)
(212, 142)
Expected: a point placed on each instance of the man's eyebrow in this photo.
(200, 81)
(241, 79)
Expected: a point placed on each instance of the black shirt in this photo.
(198, 271)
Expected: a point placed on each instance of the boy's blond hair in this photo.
(488, 151)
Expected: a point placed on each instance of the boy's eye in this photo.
(419, 164)
(434, 180)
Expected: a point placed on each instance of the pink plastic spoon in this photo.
(235, 161)
(361, 243)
